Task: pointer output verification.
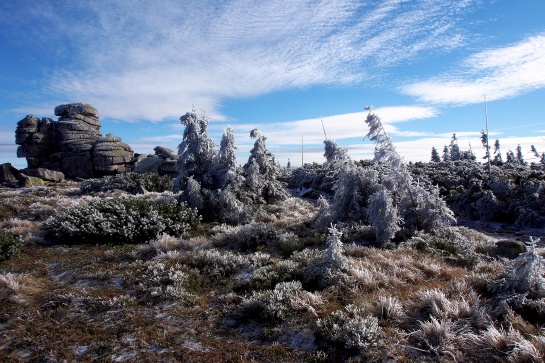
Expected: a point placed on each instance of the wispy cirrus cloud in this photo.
(497, 73)
(136, 60)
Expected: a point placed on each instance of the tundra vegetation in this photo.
(355, 261)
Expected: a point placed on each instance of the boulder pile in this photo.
(162, 163)
(72, 145)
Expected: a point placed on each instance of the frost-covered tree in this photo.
(261, 172)
(497, 154)
(524, 274)
(511, 158)
(196, 152)
(228, 175)
(435, 158)
(520, 157)
(455, 153)
(446, 153)
(383, 216)
(352, 187)
(420, 208)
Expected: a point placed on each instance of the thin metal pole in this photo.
(487, 137)
(302, 163)
(323, 127)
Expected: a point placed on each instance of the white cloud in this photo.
(135, 60)
(337, 127)
(497, 73)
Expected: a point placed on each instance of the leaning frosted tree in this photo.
(261, 171)
(197, 157)
(352, 188)
(408, 205)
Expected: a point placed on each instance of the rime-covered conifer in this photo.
(421, 208)
(261, 173)
(435, 158)
(446, 153)
(484, 141)
(196, 152)
(455, 153)
(520, 157)
(228, 174)
(497, 154)
(383, 216)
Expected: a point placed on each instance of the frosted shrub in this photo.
(350, 327)
(383, 216)
(268, 276)
(335, 259)
(16, 288)
(389, 308)
(524, 274)
(215, 263)
(261, 173)
(286, 299)
(440, 337)
(250, 237)
(506, 345)
(168, 282)
(9, 245)
(129, 219)
(129, 182)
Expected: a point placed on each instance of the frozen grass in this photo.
(262, 292)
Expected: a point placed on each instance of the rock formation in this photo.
(72, 145)
(163, 162)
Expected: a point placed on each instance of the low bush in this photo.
(284, 301)
(130, 182)
(350, 327)
(251, 237)
(129, 219)
(9, 246)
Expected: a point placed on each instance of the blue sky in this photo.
(281, 66)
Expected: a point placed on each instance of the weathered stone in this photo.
(167, 167)
(77, 164)
(77, 146)
(33, 162)
(28, 123)
(76, 109)
(44, 174)
(109, 138)
(52, 165)
(63, 126)
(112, 146)
(67, 136)
(32, 150)
(73, 145)
(56, 157)
(45, 124)
(26, 181)
(117, 168)
(23, 137)
(41, 138)
(8, 174)
(509, 248)
(149, 164)
(111, 160)
(165, 153)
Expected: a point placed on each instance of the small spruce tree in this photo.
(435, 158)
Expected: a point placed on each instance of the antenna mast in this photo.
(302, 163)
(323, 127)
(487, 138)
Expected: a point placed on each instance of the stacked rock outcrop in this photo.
(163, 162)
(34, 136)
(111, 155)
(75, 133)
(72, 145)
